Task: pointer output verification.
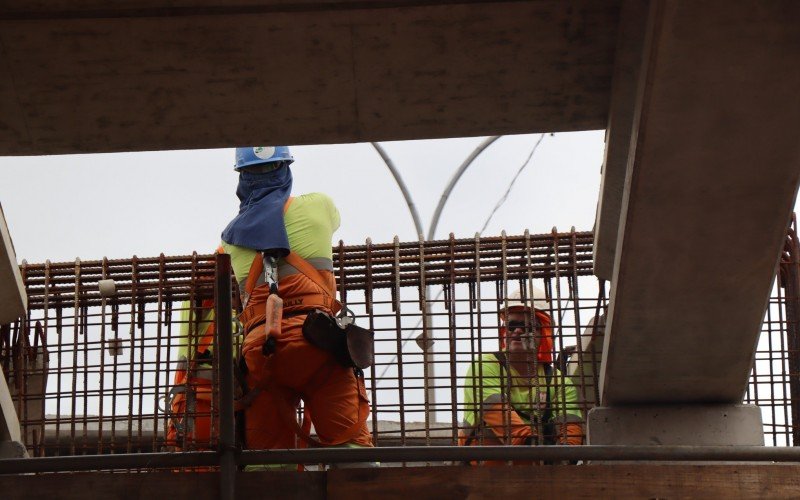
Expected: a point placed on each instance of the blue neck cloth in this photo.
(259, 224)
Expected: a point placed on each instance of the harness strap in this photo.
(548, 412)
(309, 272)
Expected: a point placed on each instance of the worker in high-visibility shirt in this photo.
(290, 238)
(189, 399)
(516, 396)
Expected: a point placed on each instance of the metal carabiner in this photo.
(345, 317)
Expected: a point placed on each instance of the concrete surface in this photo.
(92, 76)
(690, 425)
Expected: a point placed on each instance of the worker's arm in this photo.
(505, 424)
(488, 414)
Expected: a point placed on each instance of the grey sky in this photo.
(117, 205)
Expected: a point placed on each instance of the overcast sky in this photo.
(118, 205)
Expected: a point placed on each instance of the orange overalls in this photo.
(333, 394)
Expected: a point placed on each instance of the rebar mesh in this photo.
(94, 374)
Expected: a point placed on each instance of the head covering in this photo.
(545, 351)
(259, 224)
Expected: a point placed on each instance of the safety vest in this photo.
(487, 383)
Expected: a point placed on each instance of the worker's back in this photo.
(310, 220)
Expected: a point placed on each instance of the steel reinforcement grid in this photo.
(93, 373)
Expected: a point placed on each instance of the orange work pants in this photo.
(335, 397)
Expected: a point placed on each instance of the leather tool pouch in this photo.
(352, 346)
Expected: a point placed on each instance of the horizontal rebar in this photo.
(144, 280)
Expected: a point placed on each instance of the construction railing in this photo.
(92, 368)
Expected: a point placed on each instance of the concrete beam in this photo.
(709, 190)
(690, 425)
(90, 76)
(629, 64)
(13, 299)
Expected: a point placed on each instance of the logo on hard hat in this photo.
(264, 152)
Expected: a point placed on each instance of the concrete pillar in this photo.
(712, 171)
(13, 299)
(13, 304)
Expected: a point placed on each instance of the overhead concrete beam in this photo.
(629, 63)
(709, 190)
(90, 76)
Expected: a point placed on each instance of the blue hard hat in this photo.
(259, 155)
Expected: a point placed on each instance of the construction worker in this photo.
(281, 247)
(515, 396)
(189, 398)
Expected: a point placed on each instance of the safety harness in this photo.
(254, 315)
(548, 426)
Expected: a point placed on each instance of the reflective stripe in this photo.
(284, 271)
(318, 263)
(271, 467)
(492, 399)
(204, 374)
(567, 419)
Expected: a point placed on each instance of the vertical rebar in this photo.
(114, 373)
(132, 332)
(396, 305)
(792, 298)
(427, 345)
(191, 341)
(224, 334)
(506, 378)
(45, 359)
(368, 299)
(103, 348)
(477, 389)
(158, 373)
(75, 326)
(561, 381)
(450, 304)
(140, 323)
(85, 335)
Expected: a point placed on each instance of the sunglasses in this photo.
(524, 325)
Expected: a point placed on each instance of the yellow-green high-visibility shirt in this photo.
(310, 223)
(486, 382)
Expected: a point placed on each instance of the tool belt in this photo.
(350, 344)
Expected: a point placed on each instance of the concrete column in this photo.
(13, 299)
(712, 171)
(13, 303)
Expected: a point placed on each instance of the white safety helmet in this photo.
(539, 298)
